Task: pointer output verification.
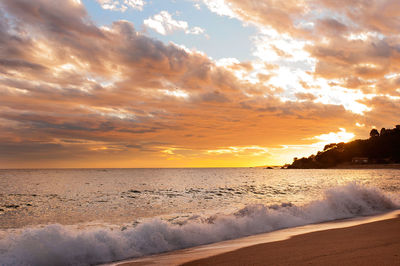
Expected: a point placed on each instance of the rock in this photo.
(12, 206)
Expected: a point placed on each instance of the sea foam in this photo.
(62, 245)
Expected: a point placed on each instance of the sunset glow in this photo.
(198, 83)
(332, 137)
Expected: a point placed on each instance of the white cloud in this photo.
(121, 5)
(335, 137)
(220, 7)
(196, 31)
(360, 125)
(176, 93)
(247, 150)
(164, 24)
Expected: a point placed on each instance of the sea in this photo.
(95, 216)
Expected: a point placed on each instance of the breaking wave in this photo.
(62, 245)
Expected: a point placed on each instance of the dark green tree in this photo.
(374, 133)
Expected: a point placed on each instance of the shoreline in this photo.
(350, 166)
(376, 243)
(207, 253)
(367, 166)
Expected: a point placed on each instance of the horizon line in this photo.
(211, 167)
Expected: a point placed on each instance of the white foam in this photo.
(62, 245)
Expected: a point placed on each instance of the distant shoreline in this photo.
(366, 166)
(346, 166)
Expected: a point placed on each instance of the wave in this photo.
(61, 245)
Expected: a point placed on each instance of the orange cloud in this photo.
(73, 94)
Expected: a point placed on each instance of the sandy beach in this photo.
(351, 240)
(376, 243)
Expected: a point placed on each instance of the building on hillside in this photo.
(359, 160)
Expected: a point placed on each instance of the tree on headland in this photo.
(374, 133)
(379, 148)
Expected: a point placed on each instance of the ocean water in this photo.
(92, 216)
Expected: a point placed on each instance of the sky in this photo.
(192, 83)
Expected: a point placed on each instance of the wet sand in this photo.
(280, 243)
(376, 243)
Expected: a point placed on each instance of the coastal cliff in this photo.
(381, 148)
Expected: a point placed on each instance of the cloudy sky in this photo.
(192, 83)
